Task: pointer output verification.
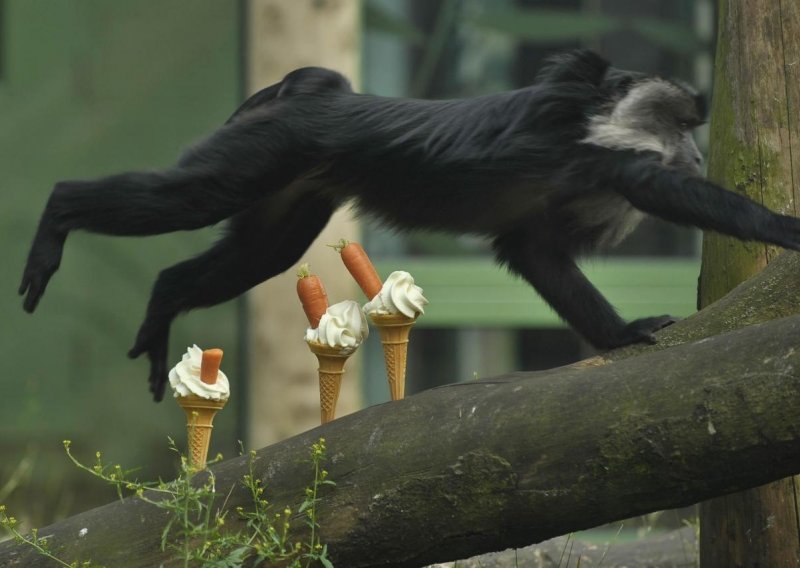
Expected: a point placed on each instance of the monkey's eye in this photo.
(689, 123)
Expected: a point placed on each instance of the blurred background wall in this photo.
(91, 87)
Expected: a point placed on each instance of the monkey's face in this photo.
(687, 156)
(669, 111)
(653, 114)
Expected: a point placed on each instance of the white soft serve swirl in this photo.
(342, 325)
(399, 295)
(184, 378)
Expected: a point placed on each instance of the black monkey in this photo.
(548, 172)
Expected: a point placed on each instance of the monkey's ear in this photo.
(701, 104)
(311, 80)
(618, 81)
(580, 65)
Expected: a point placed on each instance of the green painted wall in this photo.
(91, 88)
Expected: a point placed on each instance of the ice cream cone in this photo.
(331, 367)
(200, 410)
(394, 330)
(199, 417)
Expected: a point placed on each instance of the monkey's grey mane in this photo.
(621, 127)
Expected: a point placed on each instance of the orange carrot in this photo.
(209, 367)
(360, 267)
(312, 295)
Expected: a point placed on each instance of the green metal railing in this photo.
(476, 292)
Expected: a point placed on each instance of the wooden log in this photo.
(505, 462)
(675, 549)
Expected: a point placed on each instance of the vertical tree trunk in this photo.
(755, 150)
(284, 390)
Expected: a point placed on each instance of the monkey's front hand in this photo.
(642, 330)
(43, 261)
(153, 339)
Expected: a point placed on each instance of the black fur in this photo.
(516, 167)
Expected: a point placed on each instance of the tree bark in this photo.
(675, 549)
(754, 134)
(506, 462)
(283, 389)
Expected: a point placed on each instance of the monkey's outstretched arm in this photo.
(689, 200)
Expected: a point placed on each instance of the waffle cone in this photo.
(199, 425)
(394, 330)
(331, 367)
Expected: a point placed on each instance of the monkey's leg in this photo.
(254, 250)
(565, 288)
(220, 177)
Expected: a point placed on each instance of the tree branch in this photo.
(509, 461)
